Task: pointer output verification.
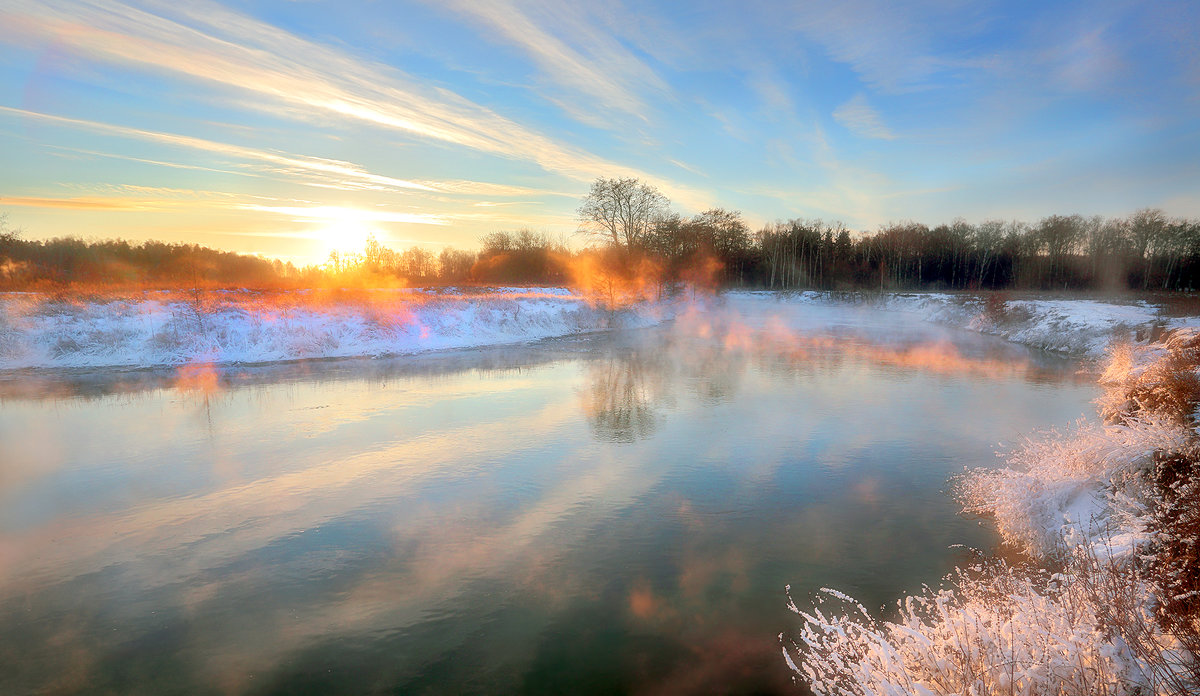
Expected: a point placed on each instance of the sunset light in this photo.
(345, 236)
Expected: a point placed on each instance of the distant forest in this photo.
(1144, 251)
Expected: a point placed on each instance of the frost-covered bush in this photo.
(1175, 550)
(1062, 489)
(998, 312)
(992, 629)
(1161, 379)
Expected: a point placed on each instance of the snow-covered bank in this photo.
(39, 331)
(1081, 327)
(245, 327)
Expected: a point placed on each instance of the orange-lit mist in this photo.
(198, 377)
(613, 282)
(778, 340)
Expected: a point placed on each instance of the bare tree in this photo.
(622, 211)
(1147, 230)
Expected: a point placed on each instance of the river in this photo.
(607, 513)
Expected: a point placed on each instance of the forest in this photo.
(631, 231)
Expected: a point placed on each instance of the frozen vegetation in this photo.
(1109, 602)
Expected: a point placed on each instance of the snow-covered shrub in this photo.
(999, 629)
(1061, 489)
(991, 629)
(1162, 379)
(998, 312)
(1126, 592)
(1175, 551)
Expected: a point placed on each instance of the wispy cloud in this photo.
(860, 118)
(483, 188)
(885, 50)
(91, 203)
(211, 44)
(346, 214)
(687, 167)
(144, 160)
(571, 48)
(891, 46)
(328, 170)
(324, 173)
(251, 55)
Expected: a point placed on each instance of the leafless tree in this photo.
(622, 211)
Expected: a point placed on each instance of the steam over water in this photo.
(614, 513)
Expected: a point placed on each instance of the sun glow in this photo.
(347, 236)
(345, 229)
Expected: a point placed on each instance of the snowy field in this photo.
(162, 329)
(1081, 327)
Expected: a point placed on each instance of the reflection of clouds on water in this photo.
(232, 536)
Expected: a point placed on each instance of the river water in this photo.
(601, 514)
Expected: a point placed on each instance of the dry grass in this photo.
(1166, 384)
(1174, 561)
(998, 312)
(1117, 586)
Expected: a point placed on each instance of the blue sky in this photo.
(288, 128)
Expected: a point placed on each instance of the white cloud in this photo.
(860, 118)
(886, 44)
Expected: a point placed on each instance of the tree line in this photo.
(1144, 251)
(633, 232)
(69, 261)
(520, 257)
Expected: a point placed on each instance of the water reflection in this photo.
(610, 514)
(91, 384)
(619, 402)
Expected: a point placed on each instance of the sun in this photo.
(345, 236)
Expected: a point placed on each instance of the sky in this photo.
(288, 129)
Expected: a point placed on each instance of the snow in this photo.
(1064, 490)
(249, 327)
(1080, 327)
(163, 328)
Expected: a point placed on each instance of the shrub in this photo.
(1161, 379)
(1175, 552)
(993, 629)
